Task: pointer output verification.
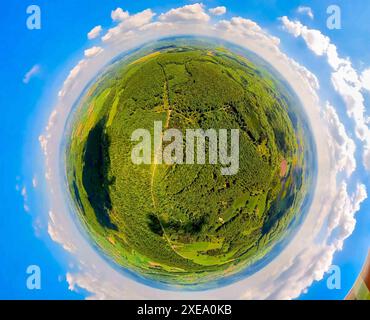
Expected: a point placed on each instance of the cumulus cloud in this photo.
(343, 147)
(218, 11)
(189, 13)
(306, 10)
(314, 39)
(92, 52)
(345, 79)
(88, 283)
(94, 32)
(243, 28)
(119, 14)
(128, 24)
(342, 217)
(240, 24)
(31, 73)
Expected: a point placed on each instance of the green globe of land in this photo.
(186, 224)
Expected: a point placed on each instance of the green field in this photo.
(185, 224)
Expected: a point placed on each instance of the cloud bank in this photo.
(345, 79)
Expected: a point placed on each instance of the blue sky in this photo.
(55, 49)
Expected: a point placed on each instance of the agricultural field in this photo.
(185, 225)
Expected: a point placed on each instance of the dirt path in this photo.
(167, 109)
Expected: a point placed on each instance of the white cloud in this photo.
(314, 39)
(245, 24)
(342, 217)
(94, 32)
(343, 147)
(100, 290)
(130, 23)
(189, 13)
(345, 79)
(306, 10)
(247, 28)
(307, 76)
(119, 14)
(56, 233)
(218, 11)
(155, 26)
(92, 52)
(31, 73)
(365, 79)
